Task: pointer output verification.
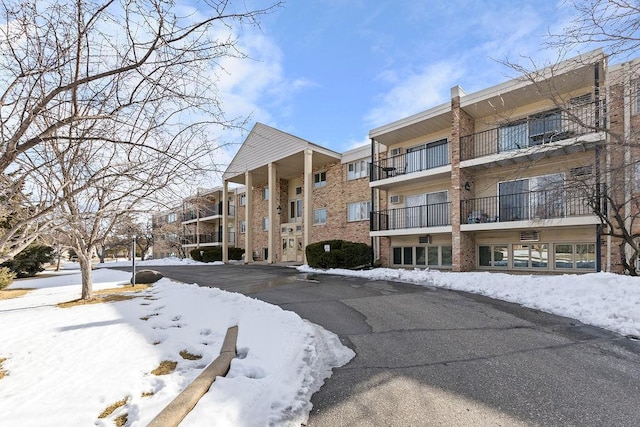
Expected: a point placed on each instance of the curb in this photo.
(175, 411)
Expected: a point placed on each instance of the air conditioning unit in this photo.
(395, 152)
(425, 240)
(395, 199)
(529, 236)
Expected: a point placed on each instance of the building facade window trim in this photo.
(436, 256)
(359, 211)
(560, 256)
(320, 216)
(358, 169)
(319, 179)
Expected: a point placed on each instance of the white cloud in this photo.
(413, 92)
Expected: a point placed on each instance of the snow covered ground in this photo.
(606, 300)
(65, 366)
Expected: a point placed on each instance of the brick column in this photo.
(463, 244)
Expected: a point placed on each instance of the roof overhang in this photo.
(288, 167)
(429, 121)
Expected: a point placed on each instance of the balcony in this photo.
(550, 127)
(207, 238)
(432, 156)
(424, 216)
(534, 206)
(215, 210)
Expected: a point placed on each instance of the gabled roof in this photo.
(265, 145)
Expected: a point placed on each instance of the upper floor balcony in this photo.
(431, 159)
(556, 129)
(211, 239)
(556, 206)
(409, 219)
(210, 212)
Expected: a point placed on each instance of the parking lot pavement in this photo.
(427, 356)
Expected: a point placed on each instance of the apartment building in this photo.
(167, 233)
(195, 223)
(498, 179)
(202, 218)
(293, 192)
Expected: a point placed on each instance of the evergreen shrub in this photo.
(215, 254)
(30, 261)
(342, 254)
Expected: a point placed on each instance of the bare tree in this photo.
(144, 238)
(611, 193)
(169, 235)
(138, 75)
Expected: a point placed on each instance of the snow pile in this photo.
(65, 366)
(606, 300)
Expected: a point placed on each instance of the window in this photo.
(578, 256)
(422, 256)
(359, 211)
(359, 169)
(426, 210)
(427, 156)
(172, 217)
(243, 227)
(243, 200)
(543, 127)
(493, 256)
(320, 216)
(265, 223)
(298, 191)
(513, 136)
(536, 130)
(319, 179)
(531, 256)
(637, 105)
(265, 193)
(295, 210)
(536, 197)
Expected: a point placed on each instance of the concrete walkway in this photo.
(428, 356)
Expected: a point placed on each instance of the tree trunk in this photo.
(59, 259)
(85, 269)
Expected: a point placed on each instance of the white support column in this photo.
(225, 220)
(307, 208)
(248, 237)
(271, 214)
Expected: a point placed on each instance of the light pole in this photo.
(133, 261)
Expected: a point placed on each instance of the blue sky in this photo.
(331, 70)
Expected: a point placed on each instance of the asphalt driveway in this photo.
(427, 356)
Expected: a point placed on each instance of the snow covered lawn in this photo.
(65, 366)
(606, 300)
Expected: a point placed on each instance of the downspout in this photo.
(608, 168)
(373, 201)
(377, 193)
(596, 90)
(628, 177)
